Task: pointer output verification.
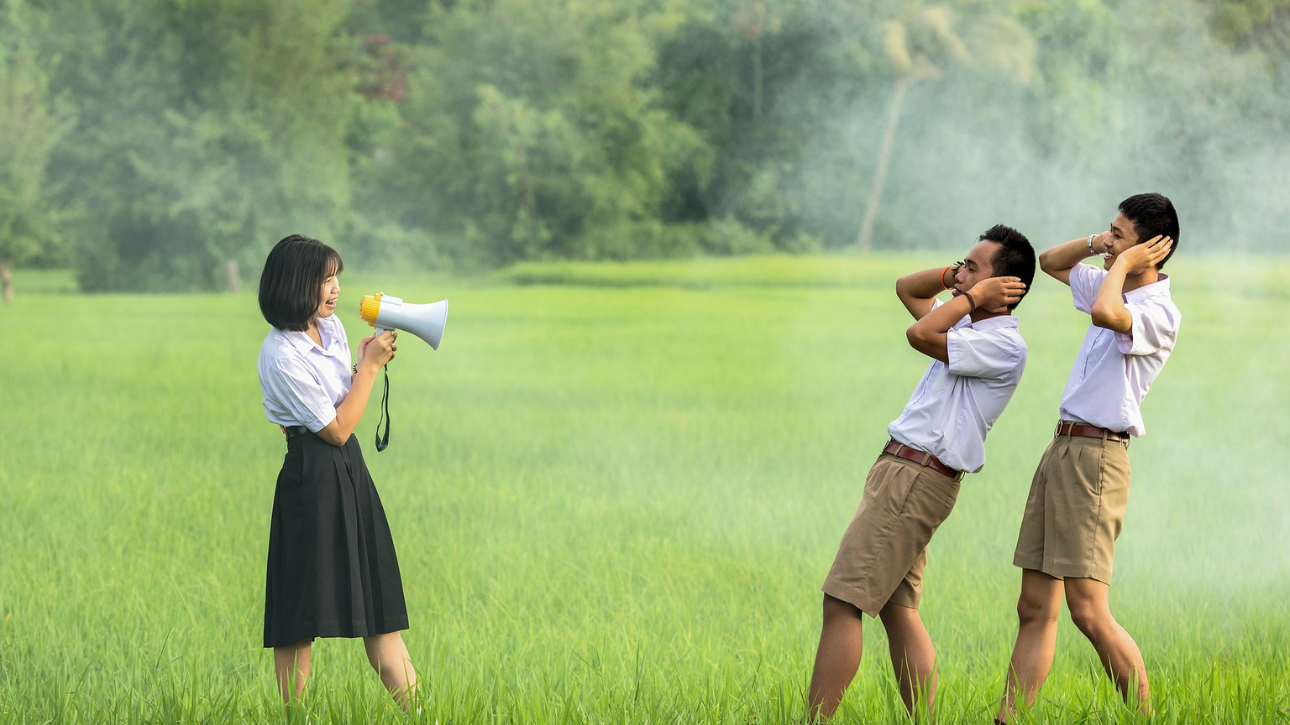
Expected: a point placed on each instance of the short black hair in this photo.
(1014, 257)
(1153, 215)
(291, 284)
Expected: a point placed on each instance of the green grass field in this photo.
(615, 490)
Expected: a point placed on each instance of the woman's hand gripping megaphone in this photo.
(377, 349)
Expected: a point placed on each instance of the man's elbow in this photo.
(1109, 319)
(927, 341)
(917, 337)
(902, 288)
(1047, 266)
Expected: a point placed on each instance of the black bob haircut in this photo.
(1152, 215)
(291, 284)
(1014, 257)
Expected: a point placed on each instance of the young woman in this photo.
(332, 570)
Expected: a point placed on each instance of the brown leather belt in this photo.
(923, 458)
(1067, 428)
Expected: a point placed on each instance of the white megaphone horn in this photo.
(391, 313)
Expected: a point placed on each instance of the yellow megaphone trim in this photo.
(369, 307)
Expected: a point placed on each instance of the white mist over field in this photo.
(1172, 111)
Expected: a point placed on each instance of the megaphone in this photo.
(391, 313)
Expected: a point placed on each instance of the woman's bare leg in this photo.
(291, 665)
(389, 657)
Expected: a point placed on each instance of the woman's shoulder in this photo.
(278, 345)
(272, 341)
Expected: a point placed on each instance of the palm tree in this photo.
(752, 22)
(918, 43)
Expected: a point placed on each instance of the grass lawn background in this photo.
(615, 490)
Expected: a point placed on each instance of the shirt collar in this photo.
(1159, 287)
(990, 323)
(302, 342)
(297, 339)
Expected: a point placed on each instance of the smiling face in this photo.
(1123, 236)
(977, 266)
(329, 295)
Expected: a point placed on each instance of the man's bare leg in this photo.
(838, 657)
(912, 656)
(1089, 601)
(1038, 607)
(291, 668)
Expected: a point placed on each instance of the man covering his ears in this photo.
(1077, 499)
(977, 360)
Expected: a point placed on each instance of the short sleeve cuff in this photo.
(320, 422)
(1085, 281)
(1125, 342)
(954, 352)
(973, 354)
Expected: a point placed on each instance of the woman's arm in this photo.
(373, 353)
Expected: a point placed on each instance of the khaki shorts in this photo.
(1075, 509)
(884, 549)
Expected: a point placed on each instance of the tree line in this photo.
(164, 145)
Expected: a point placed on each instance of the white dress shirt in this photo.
(955, 405)
(1113, 370)
(302, 382)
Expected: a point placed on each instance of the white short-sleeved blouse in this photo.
(303, 382)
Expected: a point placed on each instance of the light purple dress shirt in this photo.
(1113, 370)
(955, 405)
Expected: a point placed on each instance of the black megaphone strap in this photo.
(382, 442)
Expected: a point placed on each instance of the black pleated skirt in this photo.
(332, 569)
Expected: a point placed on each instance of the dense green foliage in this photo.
(616, 504)
(166, 144)
(30, 126)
